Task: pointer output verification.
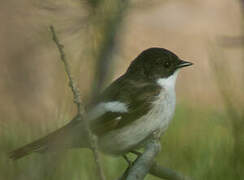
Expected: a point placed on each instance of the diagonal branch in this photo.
(77, 101)
(73, 87)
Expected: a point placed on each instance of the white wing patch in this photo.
(118, 118)
(103, 107)
(115, 106)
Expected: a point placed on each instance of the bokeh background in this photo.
(206, 137)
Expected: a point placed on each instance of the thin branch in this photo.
(77, 101)
(93, 145)
(73, 87)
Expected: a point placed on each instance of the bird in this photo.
(126, 113)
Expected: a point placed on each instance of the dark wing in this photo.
(137, 96)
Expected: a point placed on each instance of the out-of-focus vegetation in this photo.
(199, 143)
(205, 139)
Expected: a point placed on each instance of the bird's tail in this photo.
(36, 146)
(63, 138)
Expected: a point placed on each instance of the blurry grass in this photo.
(198, 143)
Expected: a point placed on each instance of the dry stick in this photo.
(77, 101)
(75, 90)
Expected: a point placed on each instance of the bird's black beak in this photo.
(182, 64)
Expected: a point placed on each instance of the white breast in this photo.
(157, 118)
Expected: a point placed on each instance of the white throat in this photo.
(169, 82)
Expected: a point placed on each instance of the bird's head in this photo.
(156, 63)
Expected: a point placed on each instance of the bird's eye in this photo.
(167, 64)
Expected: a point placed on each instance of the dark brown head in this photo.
(155, 63)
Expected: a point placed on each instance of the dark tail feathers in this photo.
(36, 146)
(59, 139)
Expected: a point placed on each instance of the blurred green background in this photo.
(205, 139)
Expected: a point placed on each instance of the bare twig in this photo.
(77, 101)
(73, 87)
(93, 144)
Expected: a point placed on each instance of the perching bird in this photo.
(135, 105)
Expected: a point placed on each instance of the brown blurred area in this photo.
(33, 85)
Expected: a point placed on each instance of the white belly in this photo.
(131, 136)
